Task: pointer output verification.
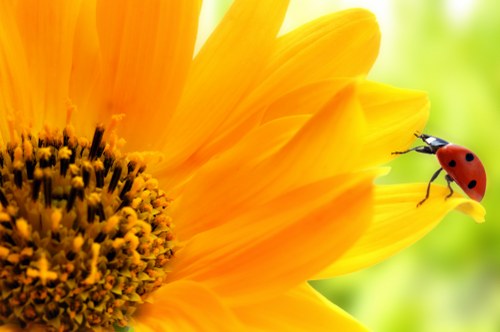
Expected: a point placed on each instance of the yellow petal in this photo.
(86, 70)
(326, 145)
(307, 99)
(398, 223)
(302, 309)
(229, 175)
(184, 306)
(146, 50)
(343, 44)
(223, 72)
(47, 31)
(276, 246)
(393, 115)
(15, 98)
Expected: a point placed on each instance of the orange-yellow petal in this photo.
(327, 144)
(47, 31)
(227, 178)
(398, 223)
(239, 180)
(275, 246)
(302, 309)
(146, 49)
(343, 44)
(85, 69)
(185, 306)
(307, 99)
(253, 149)
(393, 115)
(15, 98)
(225, 69)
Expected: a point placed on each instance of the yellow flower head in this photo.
(143, 187)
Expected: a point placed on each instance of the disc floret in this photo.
(84, 232)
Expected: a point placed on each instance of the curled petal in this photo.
(392, 115)
(398, 223)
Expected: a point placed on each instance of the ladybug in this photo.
(460, 164)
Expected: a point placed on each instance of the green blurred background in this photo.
(450, 280)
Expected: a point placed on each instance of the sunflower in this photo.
(145, 188)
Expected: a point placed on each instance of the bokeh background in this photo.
(450, 280)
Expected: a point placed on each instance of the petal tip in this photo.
(472, 208)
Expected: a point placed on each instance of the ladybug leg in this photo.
(449, 180)
(434, 176)
(421, 149)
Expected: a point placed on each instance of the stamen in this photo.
(76, 190)
(37, 184)
(3, 199)
(131, 166)
(30, 168)
(77, 245)
(23, 228)
(64, 156)
(18, 167)
(99, 174)
(86, 171)
(108, 162)
(44, 157)
(56, 218)
(114, 179)
(100, 237)
(92, 203)
(47, 188)
(100, 211)
(126, 186)
(96, 142)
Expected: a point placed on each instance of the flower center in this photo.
(84, 234)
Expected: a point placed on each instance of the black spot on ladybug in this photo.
(452, 163)
(469, 157)
(472, 184)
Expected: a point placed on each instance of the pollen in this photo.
(85, 234)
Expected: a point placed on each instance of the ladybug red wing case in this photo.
(465, 168)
